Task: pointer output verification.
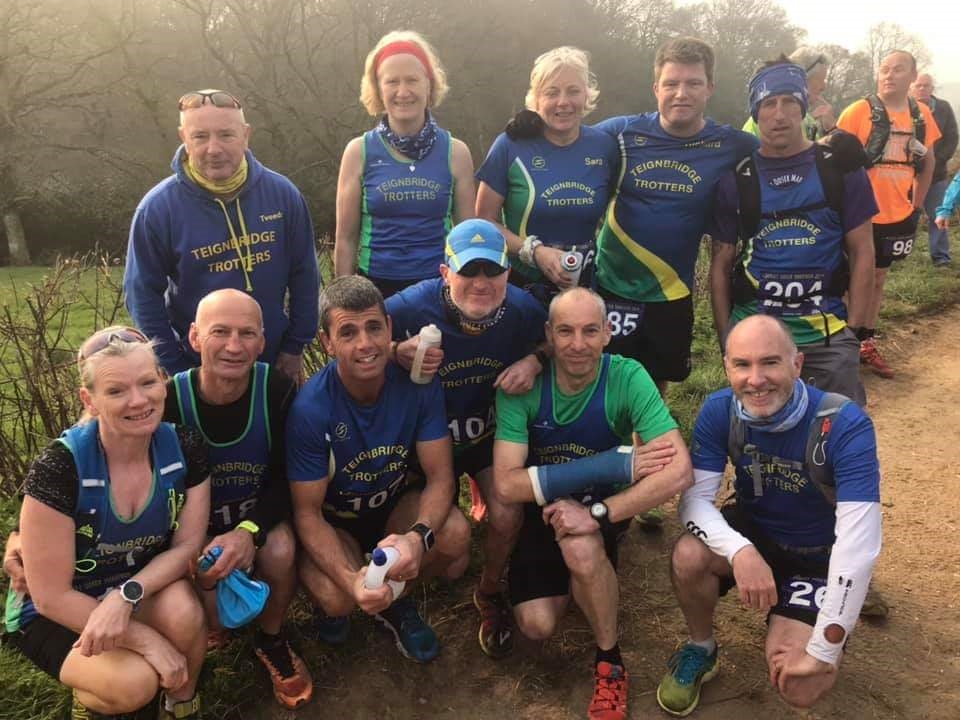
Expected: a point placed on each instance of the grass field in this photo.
(914, 288)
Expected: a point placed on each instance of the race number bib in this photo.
(229, 514)
(794, 293)
(624, 317)
(803, 593)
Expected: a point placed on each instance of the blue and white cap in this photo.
(475, 240)
(779, 79)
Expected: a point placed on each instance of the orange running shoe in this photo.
(609, 693)
(871, 357)
(292, 683)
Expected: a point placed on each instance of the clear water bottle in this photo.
(430, 337)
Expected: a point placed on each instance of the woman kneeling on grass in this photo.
(114, 511)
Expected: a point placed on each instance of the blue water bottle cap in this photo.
(379, 557)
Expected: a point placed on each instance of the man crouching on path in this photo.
(559, 451)
(802, 537)
(350, 436)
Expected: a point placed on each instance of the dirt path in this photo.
(908, 667)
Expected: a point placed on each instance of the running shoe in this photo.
(78, 711)
(651, 519)
(874, 606)
(331, 630)
(690, 667)
(186, 710)
(496, 632)
(292, 683)
(415, 639)
(871, 357)
(610, 688)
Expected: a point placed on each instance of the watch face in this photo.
(598, 510)
(132, 591)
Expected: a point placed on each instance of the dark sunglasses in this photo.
(101, 340)
(217, 98)
(821, 60)
(475, 267)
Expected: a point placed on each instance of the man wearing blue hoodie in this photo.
(222, 220)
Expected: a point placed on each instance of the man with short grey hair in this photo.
(922, 90)
(222, 220)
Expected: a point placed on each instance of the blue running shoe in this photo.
(415, 639)
(331, 630)
(690, 667)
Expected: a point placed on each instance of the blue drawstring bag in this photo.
(240, 598)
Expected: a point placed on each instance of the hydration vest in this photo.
(815, 455)
(881, 129)
(93, 496)
(835, 155)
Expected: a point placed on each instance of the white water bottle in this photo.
(430, 337)
(381, 562)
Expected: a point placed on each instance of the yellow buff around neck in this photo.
(229, 186)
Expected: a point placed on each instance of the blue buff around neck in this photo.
(609, 468)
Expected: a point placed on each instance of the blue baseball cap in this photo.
(475, 240)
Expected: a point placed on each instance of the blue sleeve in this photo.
(708, 448)
(493, 171)
(852, 452)
(432, 422)
(308, 445)
(859, 204)
(145, 279)
(400, 308)
(613, 126)
(950, 198)
(724, 224)
(304, 282)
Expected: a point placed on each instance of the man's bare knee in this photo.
(583, 553)
(535, 624)
(278, 554)
(691, 558)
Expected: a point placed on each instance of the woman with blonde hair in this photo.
(115, 510)
(404, 184)
(548, 177)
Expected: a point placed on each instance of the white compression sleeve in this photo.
(700, 517)
(851, 565)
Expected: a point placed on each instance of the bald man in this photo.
(801, 538)
(563, 451)
(922, 91)
(241, 406)
(898, 134)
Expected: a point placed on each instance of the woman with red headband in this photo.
(405, 183)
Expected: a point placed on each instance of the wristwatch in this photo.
(526, 254)
(426, 534)
(132, 592)
(251, 527)
(601, 513)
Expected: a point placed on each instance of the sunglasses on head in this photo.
(217, 98)
(101, 340)
(475, 267)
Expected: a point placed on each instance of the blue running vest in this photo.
(237, 468)
(406, 210)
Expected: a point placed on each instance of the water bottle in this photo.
(572, 262)
(381, 562)
(430, 337)
(207, 561)
(14, 607)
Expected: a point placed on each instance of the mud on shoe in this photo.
(690, 667)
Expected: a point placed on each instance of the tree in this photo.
(885, 37)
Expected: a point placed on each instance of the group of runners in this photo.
(564, 301)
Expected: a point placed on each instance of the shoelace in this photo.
(278, 656)
(609, 691)
(687, 663)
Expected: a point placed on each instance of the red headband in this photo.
(403, 47)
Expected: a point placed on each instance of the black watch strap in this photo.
(426, 535)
